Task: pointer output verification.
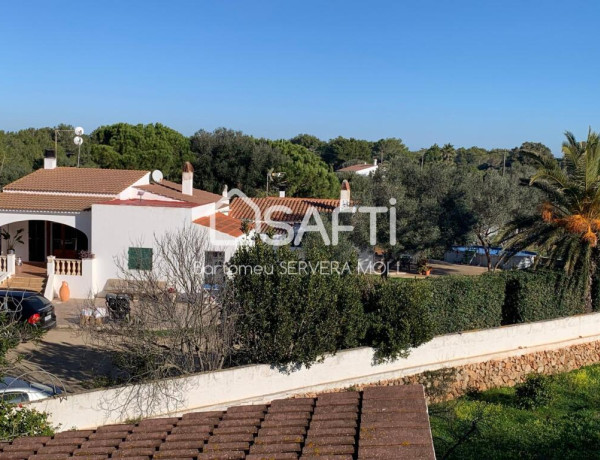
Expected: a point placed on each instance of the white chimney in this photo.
(345, 195)
(49, 159)
(187, 179)
(375, 162)
(281, 193)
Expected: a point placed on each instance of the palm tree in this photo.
(566, 228)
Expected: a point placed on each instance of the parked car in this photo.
(13, 390)
(28, 306)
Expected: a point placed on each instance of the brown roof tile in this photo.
(299, 207)
(78, 180)
(40, 202)
(323, 428)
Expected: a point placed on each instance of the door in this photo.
(37, 241)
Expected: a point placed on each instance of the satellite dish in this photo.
(78, 131)
(77, 140)
(157, 176)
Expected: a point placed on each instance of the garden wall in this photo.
(464, 351)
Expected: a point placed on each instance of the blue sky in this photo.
(492, 74)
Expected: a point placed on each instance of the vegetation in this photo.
(567, 226)
(17, 421)
(543, 418)
(290, 318)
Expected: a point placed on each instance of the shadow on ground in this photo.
(70, 363)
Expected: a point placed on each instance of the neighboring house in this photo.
(109, 213)
(256, 210)
(364, 169)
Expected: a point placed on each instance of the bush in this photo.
(287, 317)
(540, 295)
(398, 320)
(534, 392)
(17, 421)
(463, 303)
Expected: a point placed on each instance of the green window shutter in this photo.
(140, 259)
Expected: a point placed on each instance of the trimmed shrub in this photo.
(540, 295)
(463, 303)
(398, 317)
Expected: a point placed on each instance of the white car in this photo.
(13, 390)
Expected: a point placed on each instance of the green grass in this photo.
(494, 425)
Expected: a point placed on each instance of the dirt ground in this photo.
(441, 268)
(63, 357)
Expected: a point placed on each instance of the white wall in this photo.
(21, 250)
(243, 385)
(116, 228)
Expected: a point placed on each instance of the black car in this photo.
(28, 306)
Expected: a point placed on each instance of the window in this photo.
(213, 267)
(140, 259)
(15, 397)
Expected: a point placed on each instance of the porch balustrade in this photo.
(3, 264)
(70, 267)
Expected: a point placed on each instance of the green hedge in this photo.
(540, 295)
(462, 303)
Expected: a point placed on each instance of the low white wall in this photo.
(80, 287)
(262, 383)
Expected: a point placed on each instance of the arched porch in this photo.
(34, 240)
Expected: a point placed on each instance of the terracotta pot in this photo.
(64, 292)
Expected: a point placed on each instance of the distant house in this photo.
(66, 214)
(256, 210)
(364, 169)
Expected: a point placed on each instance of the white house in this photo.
(363, 169)
(108, 213)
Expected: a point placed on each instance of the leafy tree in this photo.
(341, 150)
(567, 227)
(386, 149)
(152, 146)
(227, 157)
(308, 141)
(306, 175)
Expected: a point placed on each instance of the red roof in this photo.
(298, 206)
(378, 423)
(78, 180)
(172, 190)
(223, 224)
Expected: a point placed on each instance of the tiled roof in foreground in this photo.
(378, 423)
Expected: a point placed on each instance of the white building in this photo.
(364, 169)
(66, 214)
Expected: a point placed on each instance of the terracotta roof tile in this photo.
(172, 190)
(298, 206)
(223, 224)
(78, 180)
(322, 428)
(59, 203)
